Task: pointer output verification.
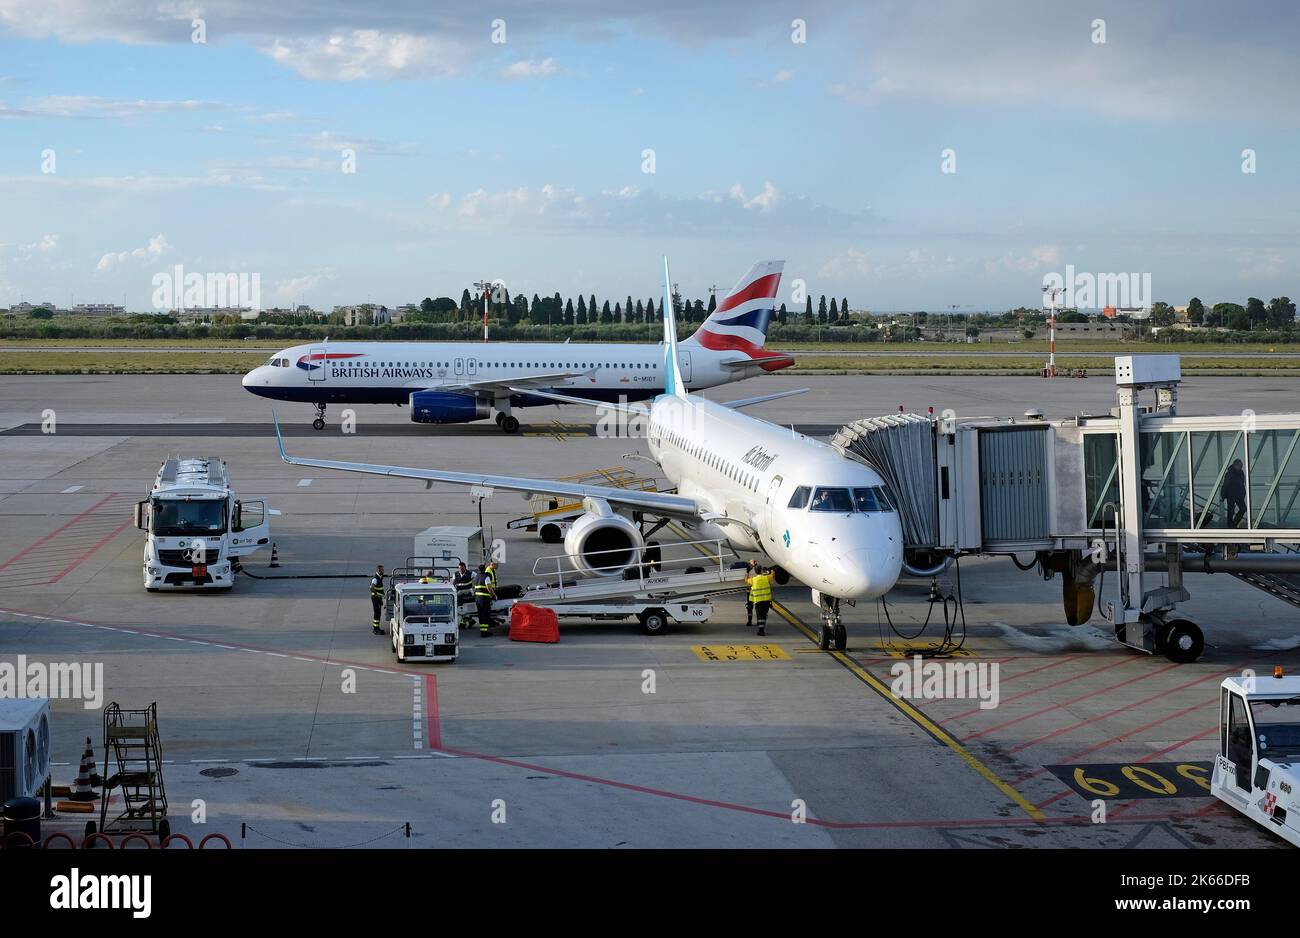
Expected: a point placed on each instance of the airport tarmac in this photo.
(288, 722)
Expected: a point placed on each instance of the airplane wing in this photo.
(675, 506)
(746, 401)
(569, 399)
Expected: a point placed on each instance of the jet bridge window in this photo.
(828, 499)
(800, 497)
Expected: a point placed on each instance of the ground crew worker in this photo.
(760, 594)
(751, 569)
(377, 598)
(463, 580)
(427, 578)
(484, 593)
(491, 571)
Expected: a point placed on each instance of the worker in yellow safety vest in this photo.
(377, 598)
(760, 594)
(484, 592)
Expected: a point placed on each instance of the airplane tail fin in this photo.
(740, 322)
(673, 383)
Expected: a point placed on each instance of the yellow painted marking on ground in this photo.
(740, 653)
(919, 718)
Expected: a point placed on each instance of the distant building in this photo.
(98, 309)
(25, 307)
(366, 314)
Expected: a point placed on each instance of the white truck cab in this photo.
(1257, 770)
(196, 529)
(424, 620)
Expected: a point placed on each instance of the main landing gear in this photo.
(507, 422)
(319, 422)
(834, 634)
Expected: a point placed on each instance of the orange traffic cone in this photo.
(83, 790)
(275, 556)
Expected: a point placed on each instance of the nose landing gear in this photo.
(833, 633)
(319, 422)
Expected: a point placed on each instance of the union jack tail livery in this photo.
(740, 322)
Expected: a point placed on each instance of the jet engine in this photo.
(447, 407)
(602, 542)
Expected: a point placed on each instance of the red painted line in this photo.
(1178, 745)
(59, 530)
(1101, 745)
(1075, 700)
(80, 558)
(1041, 667)
(433, 732)
(1111, 713)
(1038, 690)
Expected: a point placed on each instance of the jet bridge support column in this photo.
(1141, 617)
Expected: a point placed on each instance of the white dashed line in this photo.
(72, 488)
(303, 483)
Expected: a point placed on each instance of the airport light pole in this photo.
(1052, 293)
(485, 286)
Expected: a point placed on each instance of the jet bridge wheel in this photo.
(654, 621)
(1180, 640)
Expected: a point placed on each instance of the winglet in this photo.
(673, 383)
(278, 438)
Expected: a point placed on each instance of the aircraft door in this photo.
(1240, 742)
(471, 366)
(769, 509)
(684, 360)
(318, 362)
(460, 366)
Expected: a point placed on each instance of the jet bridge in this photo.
(1136, 491)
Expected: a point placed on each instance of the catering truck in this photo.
(196, 530)
(1257, 770)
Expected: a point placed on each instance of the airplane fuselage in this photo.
(764, 485)
(389, 372)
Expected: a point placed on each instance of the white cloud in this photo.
(630, 208)
(369, 54)
(293, 288)
(527, 68)
(779, 78)
(92, 106)
(156, 247)
(1038, 257)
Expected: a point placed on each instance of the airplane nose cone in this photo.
(248, 378)
(868, 572)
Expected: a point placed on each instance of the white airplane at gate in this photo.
(824, 519)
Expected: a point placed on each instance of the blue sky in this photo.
(523, 160)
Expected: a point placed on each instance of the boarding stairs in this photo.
(1283, 586)
(133, 768)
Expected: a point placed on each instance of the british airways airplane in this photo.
(459, 382)
(823, 519)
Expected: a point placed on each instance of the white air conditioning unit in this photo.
(24, 748)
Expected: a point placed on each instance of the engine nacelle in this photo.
(602, 542)
(447, 407)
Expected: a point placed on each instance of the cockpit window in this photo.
(872, 499)
(800, 497)
(828, 499)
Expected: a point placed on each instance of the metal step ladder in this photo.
(133, 769)
(1277, 585)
